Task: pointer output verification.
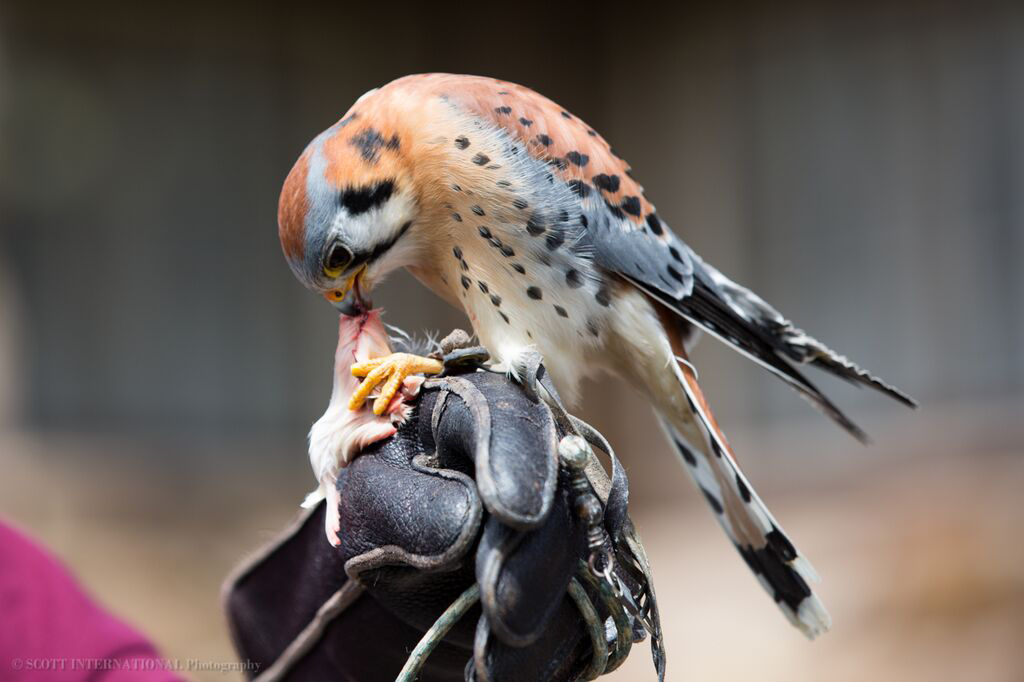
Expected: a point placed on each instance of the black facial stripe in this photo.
(379, 250)
(362, 199)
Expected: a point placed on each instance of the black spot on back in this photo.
(555, 239)
(503, 110)
(534, 227)
(480, 159)
(581, 188)
(484, 232)
(520, 203)
(519, 268)
(461, 141)
(483, 286)
(614, 210)
(574, 279)
(654, 224)
(466, 281)
(535, 293)
(496, 300)
(456, 217)
(577, 159)
(608, 183)
(457, 252)
(476, 209)
(631, 205)
(526, 122)
(603, 296)
(561, 311)
(544, 140)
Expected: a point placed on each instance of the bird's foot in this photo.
(391, 370)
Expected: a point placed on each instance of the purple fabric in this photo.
(50, 630)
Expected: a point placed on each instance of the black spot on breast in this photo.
(592, 328)
(507, 251)
(577, 159)
(476, 209)
(607, 183)
(456, 217)
(503, 316)
(561, 311)
(481, 159)
(566, 114)
(526, 122)
(503, 183)
(520, 203)
(535, 293)
(581, 188)
(544, 140)
(457, 252)
(496, 300)
(456, 188)
(461, 142)
(591, 132)
(560, 164)
(654, 224)
(574, 279)
(464, 264)
(675, 253)
(744, 490)
(362, 199)
(494, 166)
(466, 281)
(603, 296)
(712, 500)
(674, 273)
(484, 232)
(631, 205)
(483, 286)
(534, 227)
(519, 268)
(503, 110)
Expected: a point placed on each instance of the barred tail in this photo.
(706, 455)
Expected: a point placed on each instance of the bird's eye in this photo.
(336, 259)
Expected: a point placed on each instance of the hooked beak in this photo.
(348, 300)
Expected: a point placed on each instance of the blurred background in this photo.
(859, 166)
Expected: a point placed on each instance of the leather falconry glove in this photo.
(483, 541)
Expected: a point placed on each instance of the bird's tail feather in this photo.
(706, 455)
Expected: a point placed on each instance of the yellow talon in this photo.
(394, 368)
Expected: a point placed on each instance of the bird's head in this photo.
(346, 210)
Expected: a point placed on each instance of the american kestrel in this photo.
(517, 212)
